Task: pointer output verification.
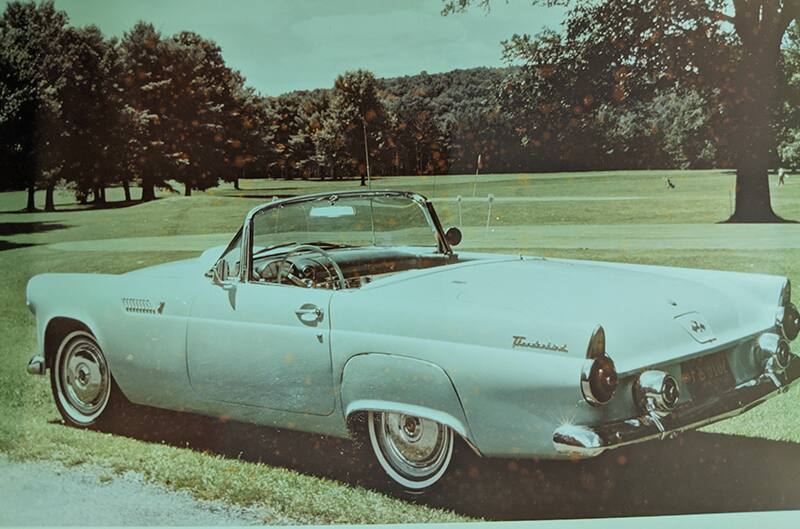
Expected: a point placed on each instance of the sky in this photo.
(283, 45)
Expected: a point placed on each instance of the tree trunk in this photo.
(99, 196)
(148, 190)
(236, 183)
(126, 187)
(49, 203)
(103, 193)
(754, 135)
(187, 190)
(31, 195)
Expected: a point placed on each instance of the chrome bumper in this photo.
(588, 441)
(36, 366)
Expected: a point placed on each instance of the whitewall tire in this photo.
(81, 381)
(413, 451)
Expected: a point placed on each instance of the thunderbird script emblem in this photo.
(521, 341)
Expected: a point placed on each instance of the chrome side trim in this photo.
(589, 441)
(142, 306)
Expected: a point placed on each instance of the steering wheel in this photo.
(316, 249)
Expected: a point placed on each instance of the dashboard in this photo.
(359, 266)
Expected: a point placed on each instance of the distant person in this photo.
(781, 177)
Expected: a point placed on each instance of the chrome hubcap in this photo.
(412, 429)
(83, 379)
(415, 447)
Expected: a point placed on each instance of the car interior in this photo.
(358, 265)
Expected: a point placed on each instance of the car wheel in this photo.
(81, 381)
(415, 452)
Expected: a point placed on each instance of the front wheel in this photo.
(414, 452)
(81, 381)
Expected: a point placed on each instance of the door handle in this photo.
(310, 314)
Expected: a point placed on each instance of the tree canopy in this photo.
(623, 84)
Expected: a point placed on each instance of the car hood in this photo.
(185, 268)
(551, 306)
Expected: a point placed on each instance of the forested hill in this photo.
(449, 90)
(438, 124)
(473, 86)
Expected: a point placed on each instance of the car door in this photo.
(262, 344)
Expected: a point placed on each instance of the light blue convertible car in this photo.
(336, 306)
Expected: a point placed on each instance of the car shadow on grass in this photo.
(695, 473)
(27, 228)
(8, 245)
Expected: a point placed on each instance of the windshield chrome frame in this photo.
(247, 227)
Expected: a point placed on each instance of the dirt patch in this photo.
(43, 493)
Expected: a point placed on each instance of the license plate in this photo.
(707, 376)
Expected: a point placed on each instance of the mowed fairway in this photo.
(617, 216)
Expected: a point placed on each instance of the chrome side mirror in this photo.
(453, 236)
(219, 274)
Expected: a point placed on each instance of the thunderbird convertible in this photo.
(335, 311)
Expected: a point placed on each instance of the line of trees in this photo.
(83, 111)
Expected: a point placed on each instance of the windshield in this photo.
(346, 221)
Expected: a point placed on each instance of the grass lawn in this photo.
(619, 216)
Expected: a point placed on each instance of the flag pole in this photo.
(366, 152)
(477, 170)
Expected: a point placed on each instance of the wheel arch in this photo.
(57, 328)
(401, 384)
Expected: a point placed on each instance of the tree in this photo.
(416, 137)
(33, 73)
(248, 129)
(309, 120)
(671, 129)
(733, 47)
(202, 101)
(789, 144)
(91, 112)
(145, 82)
(357, 115)
(329, 146)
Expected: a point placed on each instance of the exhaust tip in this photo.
(36, 366)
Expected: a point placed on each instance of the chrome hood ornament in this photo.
(697, 327)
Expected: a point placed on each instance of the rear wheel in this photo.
(82, 385)
(414, 452)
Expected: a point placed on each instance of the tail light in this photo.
(788, 321)
(599, 376)
(773, 350)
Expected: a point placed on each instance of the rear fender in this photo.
(385, 382)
